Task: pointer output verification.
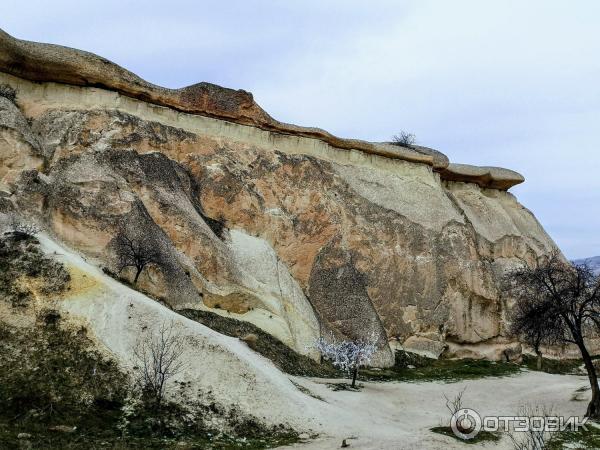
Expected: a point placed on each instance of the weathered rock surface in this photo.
(292, 231)
(488, 177)
(54, 63)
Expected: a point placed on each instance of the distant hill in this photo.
(593, 262)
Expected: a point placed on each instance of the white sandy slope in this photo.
(381, 416)
(225, 367)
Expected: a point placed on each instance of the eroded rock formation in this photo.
(291, 228)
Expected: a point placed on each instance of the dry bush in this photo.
(532, 439)
(404, 139)
(8, 92)
(158, 358)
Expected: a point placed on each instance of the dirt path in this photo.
(399, 415)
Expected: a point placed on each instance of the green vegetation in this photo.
(483, 436)
(57, 391)
(290, 362)
(53, 379)
(583, 439)
(282, 356)
(556, 366)
(21, 257)
(449, 370)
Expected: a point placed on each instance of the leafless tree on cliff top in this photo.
(404, 139)
(558, 303)
(348, 356)
(135, 251)
(158, 357)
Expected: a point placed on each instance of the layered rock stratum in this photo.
(293, 229)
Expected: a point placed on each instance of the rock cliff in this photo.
(293, 229)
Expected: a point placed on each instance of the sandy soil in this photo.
(399, 415)
(381, 416)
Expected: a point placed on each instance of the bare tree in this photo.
(454, 405)
(529, 325)
(404, 139)
(534, 437)
(158, 358)
(560, 303)
(348, 356)
(135, 251)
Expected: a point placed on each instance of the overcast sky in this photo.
(506, 83)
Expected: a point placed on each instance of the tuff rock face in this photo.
(285, 228)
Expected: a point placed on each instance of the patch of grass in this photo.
(582, 439)
(282, 356)
(555, 366)
(293, 363)
(50, 376)
(307, 391)
(483, 436)
(345, 387)
(286, 359)
(21, 258)
(449, 370)
(123, 280)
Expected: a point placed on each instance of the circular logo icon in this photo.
(465, 423)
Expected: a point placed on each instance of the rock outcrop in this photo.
(291, 228)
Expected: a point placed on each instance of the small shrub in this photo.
(8, 92)
(20, 256)
(404, 139)
(50, 317)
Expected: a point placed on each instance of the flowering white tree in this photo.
(348, 356)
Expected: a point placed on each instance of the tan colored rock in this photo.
(425, 347)
(292, 231)
(19, 149)
(487, 177)
(47, 62)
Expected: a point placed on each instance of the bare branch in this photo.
(158, 358)
(135, 251)
(557, 303)
(404, 139)
(455, 404)
(535, 438)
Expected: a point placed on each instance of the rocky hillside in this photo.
(292, 229)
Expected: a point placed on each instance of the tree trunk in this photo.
(354, 374)
(137, 274)
(593, 410)
(539, 359)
